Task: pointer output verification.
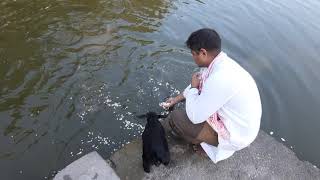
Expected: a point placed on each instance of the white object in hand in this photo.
(164, 105)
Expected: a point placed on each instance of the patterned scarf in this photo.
(214, 120)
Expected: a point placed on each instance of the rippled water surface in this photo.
(73, 74)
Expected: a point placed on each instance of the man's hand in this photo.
(195, 82)
(169, 103)
(172, 101)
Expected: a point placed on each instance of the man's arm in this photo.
(179, 98)
(174, 100)
(216, 92)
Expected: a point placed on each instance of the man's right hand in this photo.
(168, 104)
(172, 101)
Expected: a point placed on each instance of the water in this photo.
(75, 73)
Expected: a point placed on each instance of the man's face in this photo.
(200, 57)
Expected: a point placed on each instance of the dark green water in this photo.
(74, 73)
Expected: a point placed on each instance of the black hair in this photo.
(205, 38)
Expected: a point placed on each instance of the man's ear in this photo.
(203, 52)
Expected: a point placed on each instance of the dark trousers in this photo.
(179, 123)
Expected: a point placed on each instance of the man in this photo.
(223, 108)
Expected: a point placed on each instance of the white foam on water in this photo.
(131, 125)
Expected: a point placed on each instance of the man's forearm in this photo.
(179, 98)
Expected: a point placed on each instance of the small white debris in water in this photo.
(271, 132)
(176, 91)
(20, 172)
(108, 100)
(115, 105)
(46, 7)
(121, 117)
(282, 139)
(291, 147)
(155, 89)
(164, 113)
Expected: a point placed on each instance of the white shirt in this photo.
(232, 92)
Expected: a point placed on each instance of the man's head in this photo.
(205, 44)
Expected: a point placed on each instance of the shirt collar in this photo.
(218, 59)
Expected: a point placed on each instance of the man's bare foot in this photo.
(198, 149)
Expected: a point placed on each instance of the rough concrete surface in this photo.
(265, 158)
(89, 167)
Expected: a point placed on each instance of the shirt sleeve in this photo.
(215, 93)
(186, 90)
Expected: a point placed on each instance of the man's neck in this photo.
(212, 58)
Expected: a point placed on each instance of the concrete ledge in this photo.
(89, 167)
(264, 159)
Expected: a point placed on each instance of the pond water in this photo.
(73, 74)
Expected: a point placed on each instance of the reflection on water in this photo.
(74, 74)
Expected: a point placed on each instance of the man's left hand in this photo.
(195, 82)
